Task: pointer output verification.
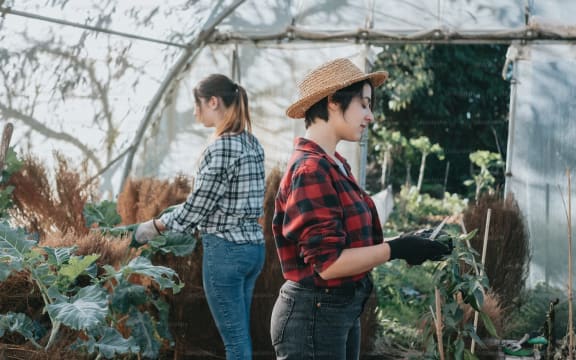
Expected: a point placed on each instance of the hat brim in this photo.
(298, 109)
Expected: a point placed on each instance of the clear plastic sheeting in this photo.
(87, 77)
(269, 76)
(541, 149)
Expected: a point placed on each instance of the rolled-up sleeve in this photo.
(313, 217)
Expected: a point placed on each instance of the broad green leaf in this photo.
(126, 295)
(14, 248)
(85, 310)
(180, 244)
(44, 273)
(76, 266)
(112, 343)
(103, 214)
(163, 319)
(469, 329)
(118, 230)
(59, 256)
(17, 322)
(55, 295)
(160, 274)
(459, 349)
(143, 331)
(488, 324)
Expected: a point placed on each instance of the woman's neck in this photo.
(323, 135)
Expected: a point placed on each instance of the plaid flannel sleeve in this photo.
(209, 187)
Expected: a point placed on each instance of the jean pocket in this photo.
(280, 316)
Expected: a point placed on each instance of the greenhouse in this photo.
(472, 133)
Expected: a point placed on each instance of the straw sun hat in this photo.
(326, 80)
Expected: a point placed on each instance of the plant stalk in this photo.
(482, 262)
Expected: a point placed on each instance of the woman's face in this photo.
(205, 111)
(357, 116)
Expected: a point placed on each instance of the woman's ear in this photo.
(213, 102)
(333, 106)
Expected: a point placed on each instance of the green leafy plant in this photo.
(425, 147)
(459, 284)
(99, 303)
(11, 165)
(483, 180)
(415, 209)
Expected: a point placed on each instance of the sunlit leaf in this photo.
(85, 310)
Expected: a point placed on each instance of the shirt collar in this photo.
(307, 145)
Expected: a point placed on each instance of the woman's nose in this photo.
(370, 116)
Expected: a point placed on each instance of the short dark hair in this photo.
(343, 97)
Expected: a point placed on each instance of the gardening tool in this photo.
(518, 349)
(438, 228)
(517, 345)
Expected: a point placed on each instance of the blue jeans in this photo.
(229, 273)
(318, 323)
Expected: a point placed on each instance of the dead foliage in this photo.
(492, 308)
(112, 250)
(42, 205)
(508, 252)
(143, 199)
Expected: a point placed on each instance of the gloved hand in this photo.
(417, 249)
(143, 233)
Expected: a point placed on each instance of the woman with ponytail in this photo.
(224, 206)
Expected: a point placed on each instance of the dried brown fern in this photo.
(142, 199)
(41, 207)
(508, 252)
(112, 250)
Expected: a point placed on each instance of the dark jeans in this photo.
(318, 323)
(229, 273)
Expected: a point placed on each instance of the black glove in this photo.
(442, 237)
(417, 249)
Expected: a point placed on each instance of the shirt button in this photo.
(327, 290)
(317, 305)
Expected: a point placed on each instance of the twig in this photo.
(482, 262)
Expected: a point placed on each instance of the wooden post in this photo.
(570, 314)
(6, 137)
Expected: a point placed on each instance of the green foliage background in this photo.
(454, 95)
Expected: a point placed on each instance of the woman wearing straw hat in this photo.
(326, 227)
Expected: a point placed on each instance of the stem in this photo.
(53, 333)
(483, 261)
(47, 301)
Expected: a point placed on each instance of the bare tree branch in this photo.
(38, 126)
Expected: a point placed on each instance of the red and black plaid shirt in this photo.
(320, 212)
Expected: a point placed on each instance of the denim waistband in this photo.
(348, 289)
